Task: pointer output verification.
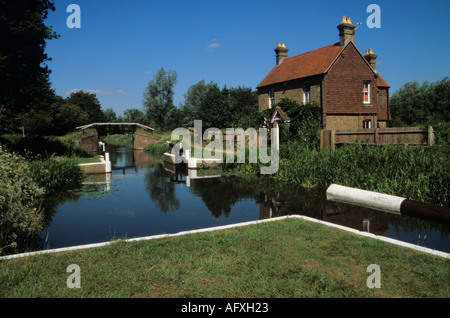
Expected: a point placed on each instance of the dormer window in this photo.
(366, 92)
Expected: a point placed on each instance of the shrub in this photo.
(56, 174)
(20, 219)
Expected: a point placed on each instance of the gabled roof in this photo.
(381, 82)
(307, 64)
(279, 114)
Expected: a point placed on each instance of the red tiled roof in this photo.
(303, 65)
(381, 82)
(311, 63)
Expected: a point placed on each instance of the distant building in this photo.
(344, 82)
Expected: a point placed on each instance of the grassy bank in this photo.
(287, 258)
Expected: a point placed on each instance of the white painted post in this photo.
(276, 129)
(107, 163)
(431, 138)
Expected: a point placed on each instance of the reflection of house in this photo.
(344, 82)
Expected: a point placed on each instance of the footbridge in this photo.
(140, 138)
(111, 124)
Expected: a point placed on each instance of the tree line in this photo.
(215, 106)
(28, 103)
(426, 104)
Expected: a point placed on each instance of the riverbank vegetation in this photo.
(117, 140)
(283, 259)
(25, 181)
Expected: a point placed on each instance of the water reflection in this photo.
(143, 196)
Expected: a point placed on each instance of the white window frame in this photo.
(306, 93)
(366, 92)
(367, 124)
(271, 98)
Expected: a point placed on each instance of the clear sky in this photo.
(122, 44)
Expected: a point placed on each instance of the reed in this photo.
(55, 174)
(412, 172)
(415, 173)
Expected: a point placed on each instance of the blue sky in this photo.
(122, 44)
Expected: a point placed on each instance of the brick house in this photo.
(344, 82)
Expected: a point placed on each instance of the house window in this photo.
(367, 124)
(271, 98)
(366, 92)
(307, 93)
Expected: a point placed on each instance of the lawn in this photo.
(290, 258)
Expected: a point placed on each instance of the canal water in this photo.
(144, 196)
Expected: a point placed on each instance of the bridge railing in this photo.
(107, 124)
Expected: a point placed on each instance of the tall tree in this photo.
(89, 103)
(215, 107)
(134, 115)
(110, 115)
(192, 101)
(158, 99)
(24, 80)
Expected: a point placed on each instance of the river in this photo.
(143, 197)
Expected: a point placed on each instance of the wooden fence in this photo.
(330, 139)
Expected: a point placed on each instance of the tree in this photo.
(228, 107)
(244, 107)
(158, 99)
(24, 80)
(89, 103)
(110, 115)
(215, 107)
(69, 116)
(134, 115)
(192, 101)
(413, 104)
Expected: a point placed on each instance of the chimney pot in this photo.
(346, 31)
(371, 58)
(281, 52)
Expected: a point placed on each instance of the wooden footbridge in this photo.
(110, 124)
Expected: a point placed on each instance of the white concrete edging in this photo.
(364, 198)
(218, 228)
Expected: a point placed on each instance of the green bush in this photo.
(56, 174)
(20, 219)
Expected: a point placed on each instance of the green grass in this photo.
(288, 258)
(119, 140)
(75, 135)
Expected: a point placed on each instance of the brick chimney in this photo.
(370, 57)
(281, 51)
(346, 31)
